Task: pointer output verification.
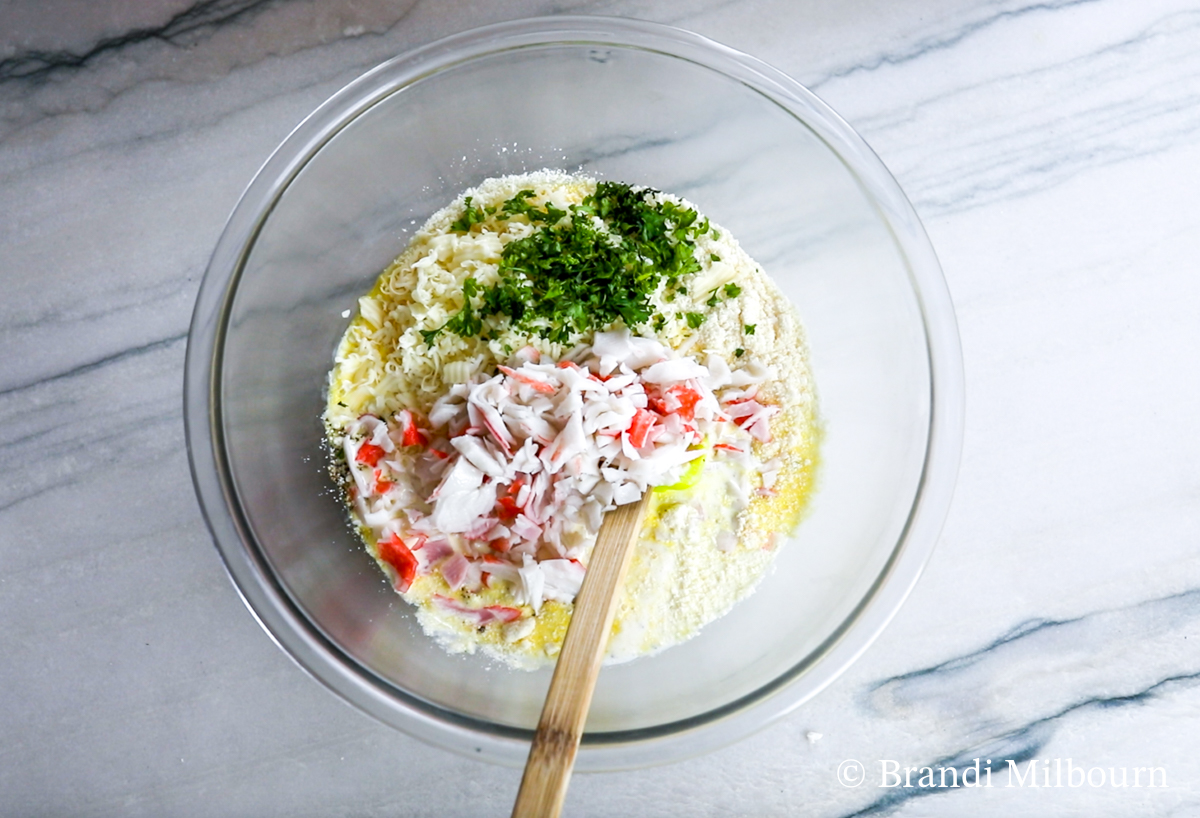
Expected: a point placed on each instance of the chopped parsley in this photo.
(571, 275)
(471, 216)
(466, 321)
(750, 328)
(713, 257)
(519, 204)
(731, 290)
(739, 352)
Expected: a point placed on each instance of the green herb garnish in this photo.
(739, 352)
(571, 276)
(749, 328)
(466, 321)
(519, 204)
(471, 216)
(732, 290)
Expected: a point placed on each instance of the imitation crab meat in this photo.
(508, 478)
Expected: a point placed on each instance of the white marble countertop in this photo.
(1050, 147)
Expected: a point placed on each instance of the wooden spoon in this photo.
(548, 768)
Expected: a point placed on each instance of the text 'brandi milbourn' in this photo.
(1036, 773)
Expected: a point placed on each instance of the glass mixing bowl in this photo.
(626, 101)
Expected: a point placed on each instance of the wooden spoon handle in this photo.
(548, 769)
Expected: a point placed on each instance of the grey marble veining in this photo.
(1051, 149)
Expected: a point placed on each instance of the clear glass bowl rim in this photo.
(289, 627)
